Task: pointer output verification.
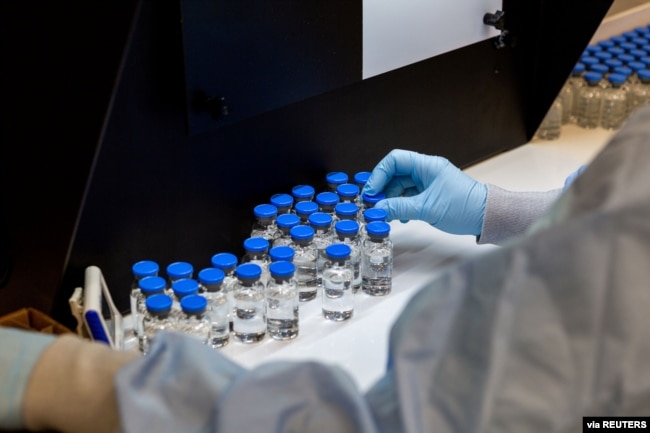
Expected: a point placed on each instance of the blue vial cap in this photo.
(593, 48)
(158, 303)
(616, 51)
(593, 78)
(361, 177)
(640, 40)
(616, 79)
(180, 270)
(336, 177)
(282, 200)
(282, 252)
(589, 61)
(378, 228)
(282, 269)
(618, 39)
(224, 261)
(194, 304)
(346, 209)
(348, 190)
(248, 271)
(287, 220)
(626, 58)
(145, 268)
(602, 55)
(629, 35)
(265, 211)
(606, 44)
(613, 63)
(628, 46)
(639, 54)
(185, 286)
(303, 192)
(373, 199)
(600, 69)
(302, 233)
(645, 60)
(256, 245)
(375, 214)
(644, 74)
(306, 207)
(623, 70)
(347, 227)
(338, 251)
(636, 66)
(578, 69)
(327, 198)
(646, 48)
(320, 219)
(150, 285)
(211, 276)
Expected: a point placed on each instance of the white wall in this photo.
(397, 33)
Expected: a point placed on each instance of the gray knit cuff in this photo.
(510, 213)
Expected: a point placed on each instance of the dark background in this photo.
(162, 190)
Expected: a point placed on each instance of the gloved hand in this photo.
(428, 188)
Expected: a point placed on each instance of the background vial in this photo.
(249, 322)
(377, 261)
(157, 318)
(305, 260)
(218, 309)
(282, 302)
(194, 322)
(338, 299)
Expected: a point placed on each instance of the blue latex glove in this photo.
(573, 176)
(431, 189)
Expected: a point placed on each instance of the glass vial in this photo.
(551, 125)
(249, 324)
(302, 193)
(282, 302)
(157, 318)
(141, 269)
(334, 179)
(180, 289)
(304, 209)
(218, 309)
(348, 193)
(194, 322)
(257, 251)
(377, 260)
(179, 270)
(227, 262)
(148, 286)
(589, 102)
(338, 299)
(614, 103)
(322, 224)
(285, 223)
(305, 260)
(283, 203)
(347, 232)
(264, 226)
(327, 201)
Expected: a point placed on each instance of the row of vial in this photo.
(610, 81)
(297, 247)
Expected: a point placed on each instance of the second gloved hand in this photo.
(431, 189)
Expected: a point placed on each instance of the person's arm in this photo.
(19, 353)
(60, 383)
(432, 189)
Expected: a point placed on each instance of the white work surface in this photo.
(360, 345)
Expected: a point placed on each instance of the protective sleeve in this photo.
(19, 352)
(509, 213)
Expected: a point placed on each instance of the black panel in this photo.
(160, 194)
(247, 57)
